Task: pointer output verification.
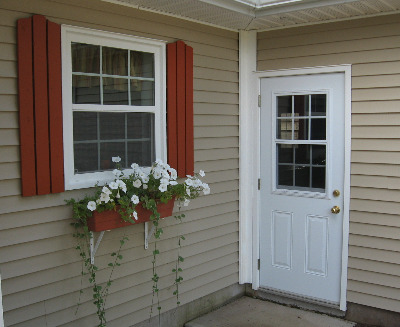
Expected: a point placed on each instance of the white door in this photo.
(302, 178)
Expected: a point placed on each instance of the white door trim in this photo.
(249, 197)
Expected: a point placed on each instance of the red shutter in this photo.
(40, 106)
(180, 107)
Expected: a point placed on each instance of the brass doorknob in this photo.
(335, 209)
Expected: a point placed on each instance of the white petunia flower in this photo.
(159, 162)
(163, 187)
(135, 199)
(106, 190)
(157, 173)
(113, 185)
(98, 201)
(189, 182)
(173, 183)
(117, 173)
(174, 174)
(135, 215)
(104, 197)
(202, 173)
(186, 203)
(145, 186)
(91, 205)
(145, 179)
(137, 183)
(121, 185)
(116, 159)
(135, 166)
(188, 191)
(206, 189)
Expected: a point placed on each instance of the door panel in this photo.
(302, 163)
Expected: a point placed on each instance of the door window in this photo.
(301, 142)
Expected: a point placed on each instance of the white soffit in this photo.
(265, 14)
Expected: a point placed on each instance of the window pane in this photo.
(318, 129)
(109, 150)
(115, 61)
(112, 126)
(142, 64)
(318, 155)
(285, 153)
(318, 105)
(284, 129)
(284, 106)
(142, 93)
(301, 105)
(115, 91)
(141, 125)
(301, 129)
(318, 177)
(85, 58)
(302, 154)
(302, 176)
(285, 175)
(85, 126)
(142, 153)
(85, 157)
(85, 89)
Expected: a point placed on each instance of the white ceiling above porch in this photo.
(265, 14)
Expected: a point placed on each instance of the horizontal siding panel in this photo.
(215, 97)
(376, 194)
(216, 120)
(375, 230)
(8, 52)
(9, 137)
(8, 119)
(7, 34)
(8, 69)
(215, 131)
(215, 86)
(381, 119)
(375, 145)
(376, 94)
(341, 31)
(375, 206)
(215, 63)
(375, 218)
(373, 301)
(366, 184)
(215, 154)
(216, 109)
(10, 187)
(375, 169)
(375, 106)
(8, 86)
(215, 74)
(217, 165)
(340, 47)
(372, 69)
(377, 290)
(373, 278)
(376, 156)
(375, 243)
(8, 102)
(366, 82)
(219, 143)
(9, 171)
(375, 266)
(374, 254)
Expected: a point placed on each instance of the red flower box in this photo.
(111, 219)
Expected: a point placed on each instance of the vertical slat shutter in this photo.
(180, 107)
(40, 106)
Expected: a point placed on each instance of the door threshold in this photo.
(294, 300)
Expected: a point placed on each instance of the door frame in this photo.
(250, 210)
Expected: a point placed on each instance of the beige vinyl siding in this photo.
(372, 46)
(40, 267)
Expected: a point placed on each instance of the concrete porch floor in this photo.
(247, 311)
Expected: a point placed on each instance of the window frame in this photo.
(70, 34)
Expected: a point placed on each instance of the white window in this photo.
(113, 103)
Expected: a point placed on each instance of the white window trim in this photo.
(1, 307)
(77, 34)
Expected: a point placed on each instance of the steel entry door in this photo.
(302, 178)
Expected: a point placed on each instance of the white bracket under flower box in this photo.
(95, 245)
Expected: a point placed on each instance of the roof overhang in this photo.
(265, 14)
